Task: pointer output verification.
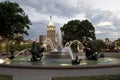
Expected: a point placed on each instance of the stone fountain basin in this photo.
(22, 69)
(57, 55)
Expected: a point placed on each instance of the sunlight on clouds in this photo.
(114, 35)
(118, 14)
(60, 20)
(105, 24)
(114, 16)
(98, 32)
(64, 20)
(69, 3)
(34, 15)
(80, 16)
(111, 5)
(83, 3)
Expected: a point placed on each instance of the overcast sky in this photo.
(104, 15)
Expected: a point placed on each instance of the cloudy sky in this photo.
(104, 15)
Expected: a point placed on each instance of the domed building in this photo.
(51, 35)
(51, 31)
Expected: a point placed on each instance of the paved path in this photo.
(47, 74)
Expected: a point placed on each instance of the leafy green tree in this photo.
(100, 44)
(21, 47)
(80, 30)
(13, 20)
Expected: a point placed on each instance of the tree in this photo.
(80, 30)
(13, 20)
(100, 44)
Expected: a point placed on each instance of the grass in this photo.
(102, 77)
(6, 77)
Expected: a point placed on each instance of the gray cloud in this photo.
(36, 30)
(39, 10)
(63, 8)
(100, 16)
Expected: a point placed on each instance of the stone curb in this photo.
(59, 67)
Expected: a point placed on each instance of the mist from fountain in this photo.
(68, 50)
(59, 40)
(48, 42)
(64, 51)
(80, 49)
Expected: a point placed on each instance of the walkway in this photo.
(47, 74)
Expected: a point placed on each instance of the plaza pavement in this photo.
(47, 74)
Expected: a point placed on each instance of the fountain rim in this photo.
(59, 67)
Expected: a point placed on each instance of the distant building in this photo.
(109, 44)
(42, 38)
(51, 34)
(108, 41)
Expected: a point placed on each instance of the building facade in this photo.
(51, 31)
(51, 34)
(42, 38)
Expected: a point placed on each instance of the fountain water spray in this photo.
(49, 42)
(59, 40)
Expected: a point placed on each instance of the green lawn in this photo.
(103, 77)
(6, 77)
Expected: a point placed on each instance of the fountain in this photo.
(62, 60)
(70, 60)
(71, 54)
(65, 52)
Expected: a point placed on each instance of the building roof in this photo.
(50, 22)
